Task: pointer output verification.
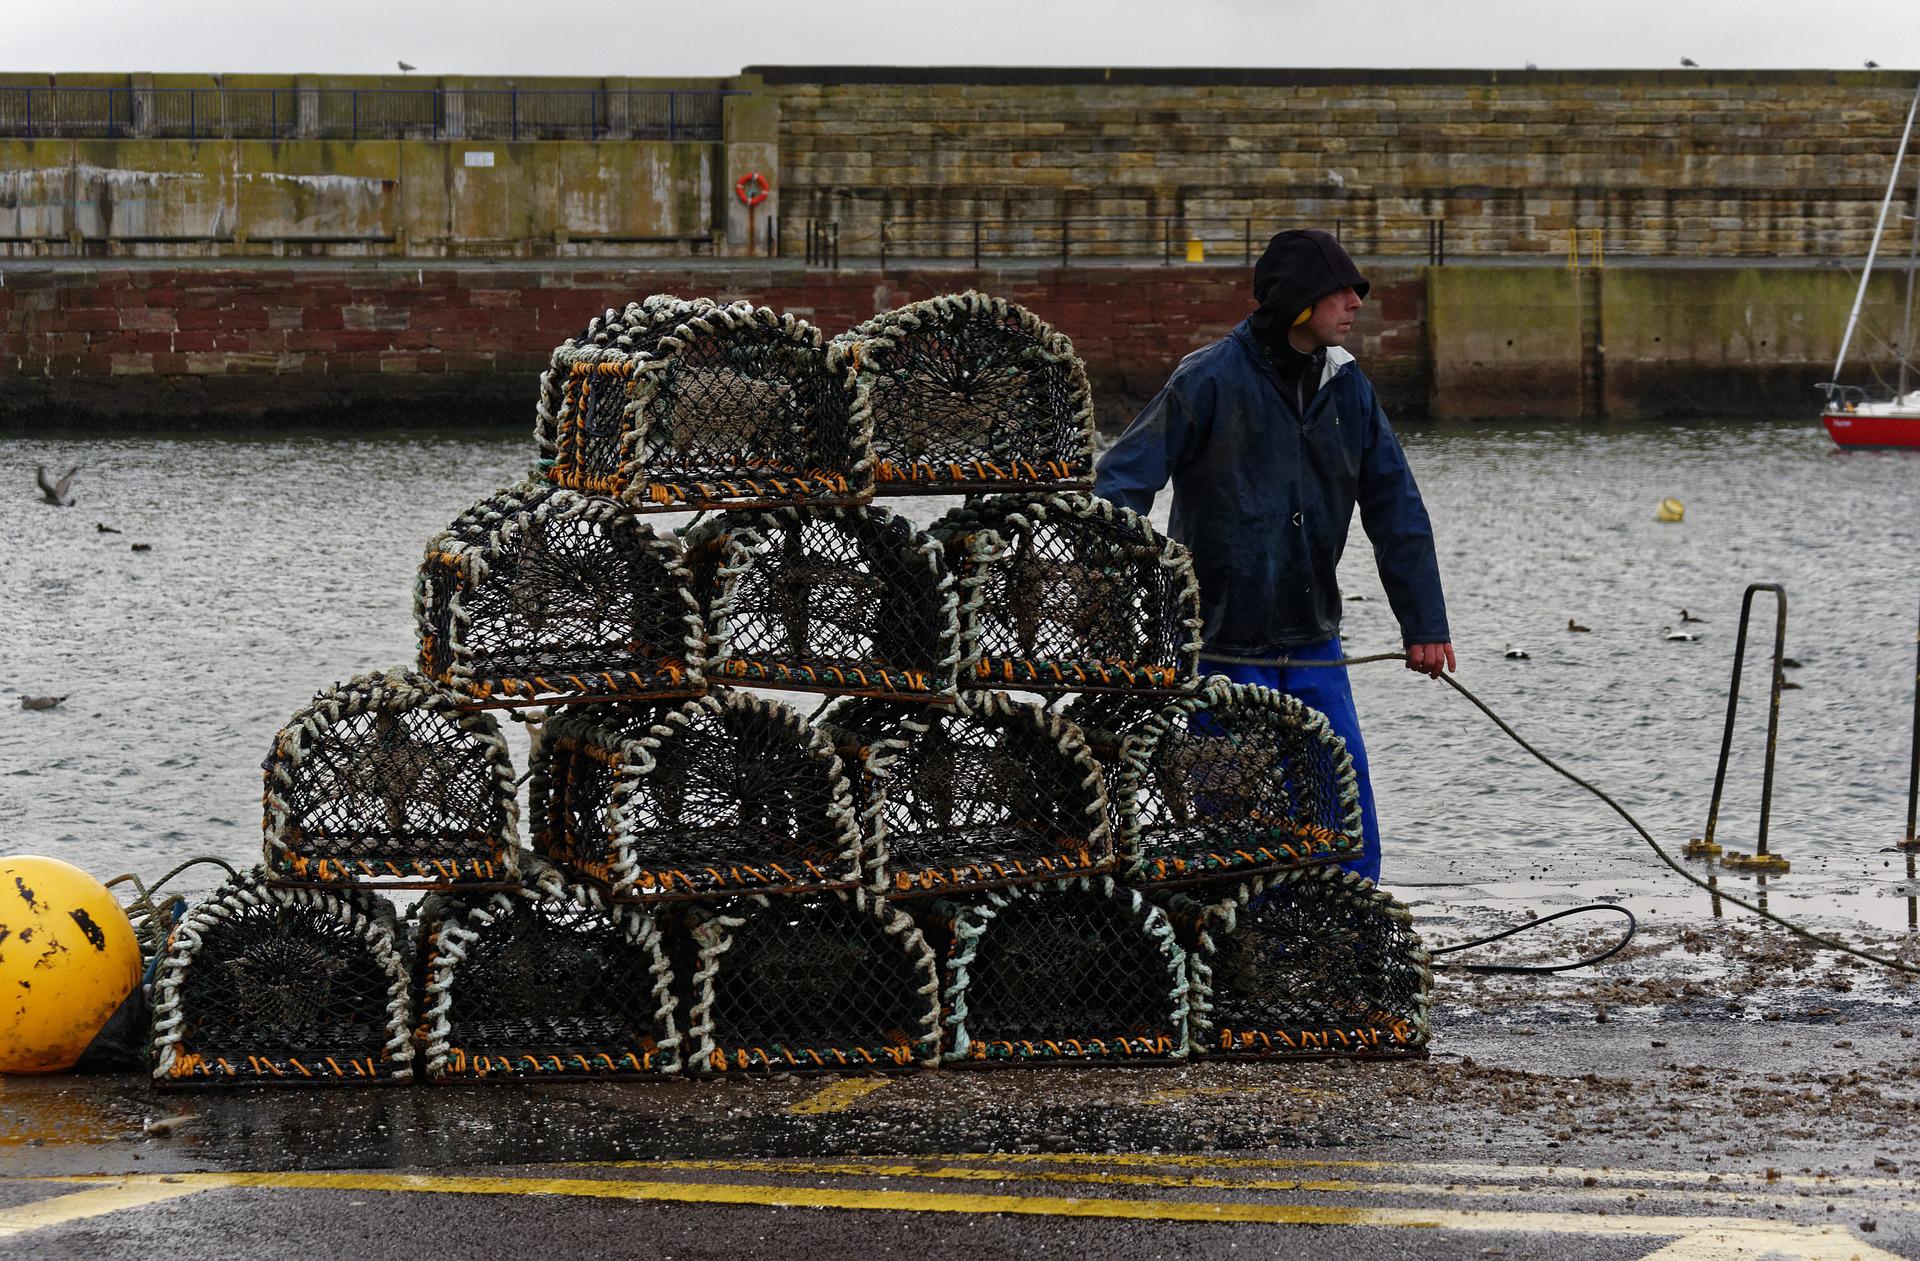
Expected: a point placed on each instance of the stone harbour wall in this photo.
(1662, 164)
(464, 344)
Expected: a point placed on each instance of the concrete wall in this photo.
(465, 343)
(1627, 343)
(1661, 163)
(436, 196)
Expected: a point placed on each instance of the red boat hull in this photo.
(1850, 429)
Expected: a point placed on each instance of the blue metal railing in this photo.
(364, 113)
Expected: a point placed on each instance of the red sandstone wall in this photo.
(383, 342)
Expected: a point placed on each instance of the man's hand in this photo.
(1430, 659)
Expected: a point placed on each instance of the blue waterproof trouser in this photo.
(1326, 689)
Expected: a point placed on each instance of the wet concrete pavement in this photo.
(1714, 1092)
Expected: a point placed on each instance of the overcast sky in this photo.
(717, 37)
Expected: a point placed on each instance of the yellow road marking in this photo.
(1814, 1242)
(80, 1205)
(839, 1096)
(876, 1168)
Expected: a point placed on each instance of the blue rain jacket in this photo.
(1263, 497)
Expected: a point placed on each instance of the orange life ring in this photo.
(754, 181)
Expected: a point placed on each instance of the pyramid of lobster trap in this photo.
(1012, 824)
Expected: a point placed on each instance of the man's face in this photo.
(1332, 318)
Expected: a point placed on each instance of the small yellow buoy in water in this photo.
(1196, 250)
(1670, 510)
(68, 958)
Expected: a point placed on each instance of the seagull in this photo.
(55, 493)
(1873, 65)
(40, 702)
(1531, 66)
(1688, 617)
(1517, 654)
(1788, 685)
(1689, 63)
(1335, 178)
(1575, 626)
(1788, 663)
(1678, 636)
(404, 67)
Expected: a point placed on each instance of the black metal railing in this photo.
(823, 243)
(1168, 238)
(364, 113)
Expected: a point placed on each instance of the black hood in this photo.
(1301, 266)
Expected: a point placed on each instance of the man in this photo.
(1272, 437)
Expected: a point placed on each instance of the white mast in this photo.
(1866, 274)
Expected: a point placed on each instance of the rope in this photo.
(1808, 934)
(1633, 926)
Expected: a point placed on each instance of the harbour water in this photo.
(282, 563)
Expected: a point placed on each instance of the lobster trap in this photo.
(849, 600)
(734, 406)
(1075, 970)
(1309, 964)
(965, 393)
(1233, 779)
(548, 981)
(988, 792)
(839, 982)
(576, 447)
(1072, 594)
(384, 782)
(540, 595)
(268, 986)
(727, 794)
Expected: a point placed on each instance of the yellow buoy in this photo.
(1670, 510)
(1196, 250)
(68, 958)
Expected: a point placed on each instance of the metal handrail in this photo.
(365, 113)
(1773, 713)
(1912, 841)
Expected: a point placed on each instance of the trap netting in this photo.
(965, 393)
(579, 447)
(1307, 964)
(1081, 969)
(1072, 594)
(731, 793)
(384, 781)
(1235, 778)
(735, 406)
(285, 987)
(819, 983)
(851, 600)
(987, 792)
(538, 595)
(549, 980)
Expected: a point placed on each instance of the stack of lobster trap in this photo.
(1018, 828)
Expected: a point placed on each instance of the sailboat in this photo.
(1852, 416)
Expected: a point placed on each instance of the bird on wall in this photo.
(404, 67)
(1335, 178)
(1531, 66)
(1689, 63)
(55, 493)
